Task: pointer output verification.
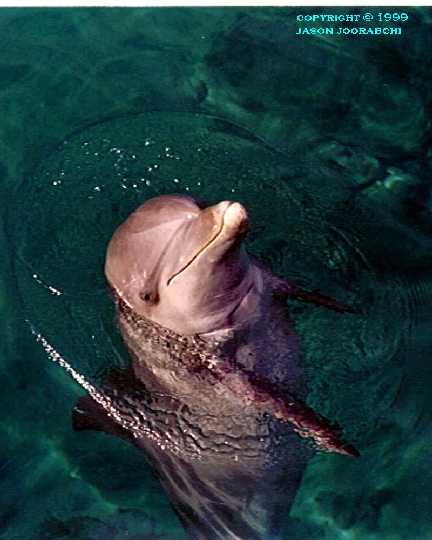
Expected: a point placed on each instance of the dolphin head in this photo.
(183, 265)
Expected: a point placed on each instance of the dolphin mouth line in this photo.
(200, 251)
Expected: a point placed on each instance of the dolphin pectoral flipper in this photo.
(284, 289)
(265, 396)
(89, 415)
(315, 297)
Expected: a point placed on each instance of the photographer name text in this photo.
(320, 30)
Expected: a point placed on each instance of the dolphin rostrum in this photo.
(215, 392)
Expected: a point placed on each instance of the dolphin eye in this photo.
(149, 297)
(201, 204)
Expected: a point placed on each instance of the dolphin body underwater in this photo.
(214, 395)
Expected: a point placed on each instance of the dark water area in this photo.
(326, 140)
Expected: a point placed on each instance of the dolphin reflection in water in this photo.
(215, 392)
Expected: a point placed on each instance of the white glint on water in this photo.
(51, 289)
(56, 357)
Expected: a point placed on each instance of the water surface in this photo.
(326, 140)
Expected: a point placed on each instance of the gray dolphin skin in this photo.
(215, 392)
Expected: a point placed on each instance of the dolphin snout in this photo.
(234, 217)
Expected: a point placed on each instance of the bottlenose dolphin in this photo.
(215, 392)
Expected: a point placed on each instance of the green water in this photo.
(326, 140)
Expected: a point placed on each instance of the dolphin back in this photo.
(216, 498)
(227, 500)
